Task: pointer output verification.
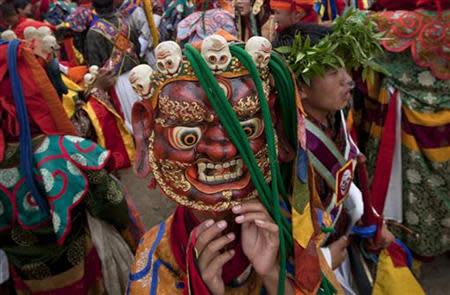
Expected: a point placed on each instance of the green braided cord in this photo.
(232, 126)
(227, 117)
(287, 105)
(248, 63)
(286, 97)
(288, 108)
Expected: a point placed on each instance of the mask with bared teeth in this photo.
(181, 141)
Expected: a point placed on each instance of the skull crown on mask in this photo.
(140, 80)
(168, 57)
(179, 136)
(216, 52)
(259, 49)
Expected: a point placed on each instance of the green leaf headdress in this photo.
(353, 44)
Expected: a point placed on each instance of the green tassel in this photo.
(326, 288)
(231, 124)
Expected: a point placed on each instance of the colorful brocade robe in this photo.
(155, 270)
(123, 51)
(110, 129)
(52, 252)
(406, 120)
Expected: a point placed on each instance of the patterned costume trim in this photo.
(424, 32)
(59, 161)
(120, 39)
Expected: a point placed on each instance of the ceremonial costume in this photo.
(110, 129)
(406, 123)
(136, 17)
(331, 160)
(113, 45)
(23, 23)
(250, 25)
(206, 133)
(63, 216)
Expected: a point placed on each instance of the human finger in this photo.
(212, 250)
(249, 217)
(270, 226)
(217, 264)
(248, 207)
(210, 233)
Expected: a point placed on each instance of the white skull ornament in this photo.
(216, 52)
(140, 80)
(8, 35)
(30, 33)
(44, 31)
(47, 47)
(168, 57)
(259, 48)
(89, 79)
(93, 70)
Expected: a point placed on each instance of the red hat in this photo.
(292, 5)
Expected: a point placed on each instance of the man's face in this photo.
(191, 155)
(330, 93)
(27, 11)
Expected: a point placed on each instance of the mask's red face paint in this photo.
(191, 156)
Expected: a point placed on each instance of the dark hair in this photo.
(103, 6)
(314, 31)
(20, 4)
(7, 10)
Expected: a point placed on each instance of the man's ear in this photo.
(143, 122)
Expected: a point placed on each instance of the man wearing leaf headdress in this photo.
(321, 58)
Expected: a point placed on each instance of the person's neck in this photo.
(216, 216)
(318, 114)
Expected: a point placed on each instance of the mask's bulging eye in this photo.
(253, 127)
(185, 138)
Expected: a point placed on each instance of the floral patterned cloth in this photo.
(201, 24)
(70, 173)
(424, 32)
(425, 154)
